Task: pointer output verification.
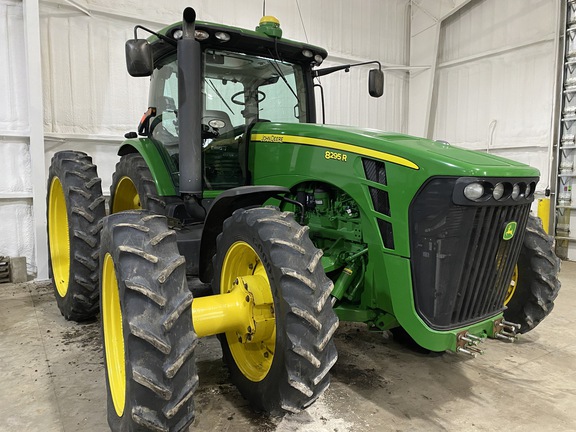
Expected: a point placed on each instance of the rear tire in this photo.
(147, 330)
(133, 187)
(75, 208)
(537, 284)
(295, 370)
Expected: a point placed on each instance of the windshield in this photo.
(249, 88)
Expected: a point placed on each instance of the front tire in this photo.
(536, 286)
(147, 330)
(75, 208)
(287, 371)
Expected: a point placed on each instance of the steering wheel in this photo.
(261, 97)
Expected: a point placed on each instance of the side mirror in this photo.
(139, 58)
(376, 83)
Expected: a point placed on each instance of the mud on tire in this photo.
(304, 320)
(75, 208)
(139, 253)
(538, 283)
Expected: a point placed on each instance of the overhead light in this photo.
(307, 53)
(201, 35)
(318, 59)
(222, 37)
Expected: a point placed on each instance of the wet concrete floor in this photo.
(52, 378)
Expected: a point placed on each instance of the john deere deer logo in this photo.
(509, 231)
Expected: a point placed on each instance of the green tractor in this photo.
(296, 225)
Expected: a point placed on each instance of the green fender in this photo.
(158, 160)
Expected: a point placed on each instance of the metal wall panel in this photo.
(495, 79)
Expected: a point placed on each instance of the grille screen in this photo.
(461, 265)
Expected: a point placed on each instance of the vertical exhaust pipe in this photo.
(190, 106)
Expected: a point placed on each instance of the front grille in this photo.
(461, 265)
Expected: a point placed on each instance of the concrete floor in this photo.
(52, 378)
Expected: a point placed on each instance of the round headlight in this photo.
(177, 34)
(474, 191)
(498, 191)
(515, 191)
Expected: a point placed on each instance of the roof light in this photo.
(222, 37)
(177, 34)
(201, 35)
(307, 53)
(318, 59)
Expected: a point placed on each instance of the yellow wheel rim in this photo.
(126, 196)
(113, 336)
(59, 237)
(512, 287)
(253, 357)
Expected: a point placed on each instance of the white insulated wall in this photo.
(17, 223)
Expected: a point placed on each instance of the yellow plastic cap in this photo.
(269, 19)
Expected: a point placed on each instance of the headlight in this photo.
(498, 191)
(515, 191)
(528, 190)
(474, 191)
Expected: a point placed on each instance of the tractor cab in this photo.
(230, 80)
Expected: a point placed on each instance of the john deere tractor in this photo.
(296, 225)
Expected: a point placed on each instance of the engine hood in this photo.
(438, 158)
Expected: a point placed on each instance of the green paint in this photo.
(509, 231)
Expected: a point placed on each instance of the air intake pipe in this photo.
(190, 107)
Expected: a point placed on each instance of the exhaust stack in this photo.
(189, 106)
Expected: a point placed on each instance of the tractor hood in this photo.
(412, 152)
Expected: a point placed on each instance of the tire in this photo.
(133, 187)
(75, 208)
(146, 325)
(537, 284)
(303, 350)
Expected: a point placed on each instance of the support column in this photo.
(36, 125)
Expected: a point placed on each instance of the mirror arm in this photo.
(326, 71)
(158, 35)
